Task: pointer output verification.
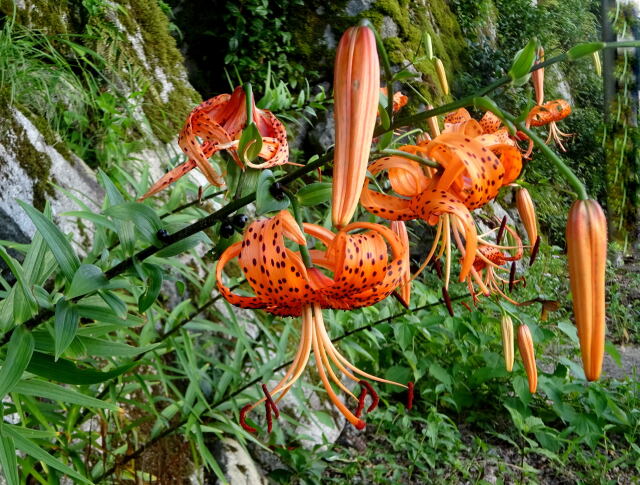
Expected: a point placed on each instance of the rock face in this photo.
(144, 68)
(29, 166)
(237, 464)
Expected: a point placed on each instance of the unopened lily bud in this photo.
(596, 63)
(525, 345)
(587, 255)
(506, 325)
(442, 77)
(538, 78)
(527, 212)
(356, 89)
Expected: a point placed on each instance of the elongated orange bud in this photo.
(587, 255)
(356, 91)
(442, 77)
(525, 345)
(527, 212)
(506, 325)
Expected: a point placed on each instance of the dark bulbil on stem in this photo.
(239, 221)
(226, 229)
(277, 191)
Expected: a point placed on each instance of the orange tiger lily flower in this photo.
(587, 255)
(219, 122)
(362, 275)
(549, 114)
(400, 100)
(356, 95)
(471, 175)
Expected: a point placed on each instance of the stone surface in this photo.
(355, 7)
(389, 27)
(236, 463)
(69, 174)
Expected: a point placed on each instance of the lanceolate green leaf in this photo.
(24, 303)
(19, 351)
(314, 194)
(88, 278)
(154, 283)
(8, 459)
(48, 390)
(66, 371)
(33, 450)
(57, 242)
(265, 202)
(65, 326)
(146, 221)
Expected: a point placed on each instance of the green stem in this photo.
(248, 90)
(410, 156)
(295, 208)
(568, 174)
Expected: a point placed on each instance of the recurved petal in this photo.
(170, 177)
(552, 111)
(276, 274)
(400, 229)
(237, 300)
(490, 123)
(386, 206)
(406, 176)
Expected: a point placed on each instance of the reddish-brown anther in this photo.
(503, 225)
(267, 409)
(243, 419)
(375, 399)
(410, 386)
(534, 251)
(447, 301)
(269, 401)
(512, 276)
(361, 399)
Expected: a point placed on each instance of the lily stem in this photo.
(295, 208)
(410, 156)
(248, 90)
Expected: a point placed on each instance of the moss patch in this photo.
(35, 163)
(147, 20)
